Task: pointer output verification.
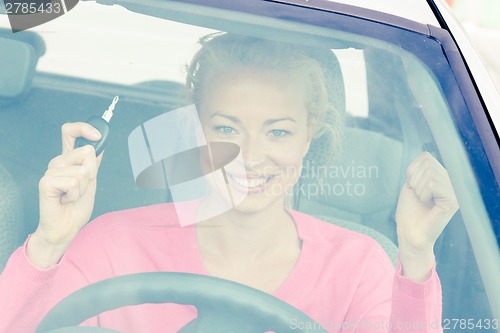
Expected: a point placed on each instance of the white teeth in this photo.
(250, 183)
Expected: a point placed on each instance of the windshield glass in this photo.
(244, 135)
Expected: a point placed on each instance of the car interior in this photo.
(376, 150)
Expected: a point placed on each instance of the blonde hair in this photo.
(224, 52)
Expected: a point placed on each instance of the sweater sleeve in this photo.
(416, 307)
(28, 293)
(387, 301)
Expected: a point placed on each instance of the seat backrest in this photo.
(361, 184)
(10, 216)
(390, 248)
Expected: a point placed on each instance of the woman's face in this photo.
(263, 113)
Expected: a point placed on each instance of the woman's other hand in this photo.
(426, 204)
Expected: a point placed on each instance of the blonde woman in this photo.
(270, 99)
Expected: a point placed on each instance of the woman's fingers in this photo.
(75, 176)
(65, 188)
(71, 131)
(430, 182)
(68, 175)
(423, 164)
(83, 156)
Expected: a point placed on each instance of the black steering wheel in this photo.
(223, 306)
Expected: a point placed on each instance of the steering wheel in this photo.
(223, 306)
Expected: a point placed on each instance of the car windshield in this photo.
(393, 90)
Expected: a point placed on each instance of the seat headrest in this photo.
(320, 147)
(363, 179)
(20, 53)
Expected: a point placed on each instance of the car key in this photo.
(102, 125)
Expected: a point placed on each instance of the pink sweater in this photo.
(342, 279)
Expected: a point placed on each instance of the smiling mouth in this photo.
(251, 183)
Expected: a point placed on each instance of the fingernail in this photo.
(95, 133)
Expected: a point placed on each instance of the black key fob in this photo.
(103, 127)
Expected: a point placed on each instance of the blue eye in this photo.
(226, 130)
(278, 133)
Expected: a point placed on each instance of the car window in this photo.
(391, 98)
(352, 65)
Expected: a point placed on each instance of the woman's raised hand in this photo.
(67, 192)
(426, 204)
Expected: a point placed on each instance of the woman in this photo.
(271, 100)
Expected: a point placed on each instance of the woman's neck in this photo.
(246, 237)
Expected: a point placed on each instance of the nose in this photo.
(253, 151)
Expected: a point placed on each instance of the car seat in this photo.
(11, 212)
(10, 216)
(361, 184)
(359, 187)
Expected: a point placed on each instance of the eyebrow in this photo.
(267, 122)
